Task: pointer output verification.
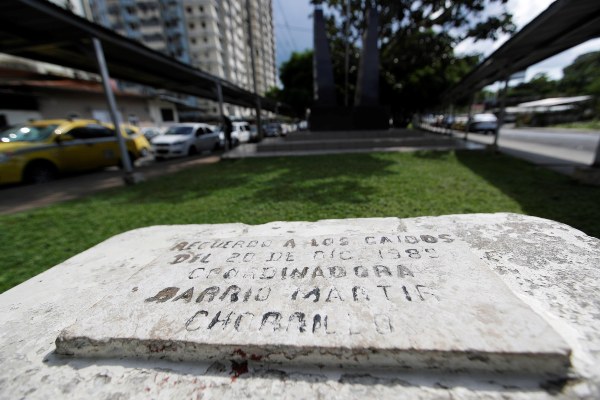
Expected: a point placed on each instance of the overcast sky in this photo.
(293, 31)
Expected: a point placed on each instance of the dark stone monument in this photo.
(366, 113)
(322, 67)
(367, 85)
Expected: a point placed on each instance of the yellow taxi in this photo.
(38, 151)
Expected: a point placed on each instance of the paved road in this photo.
(560, 146)
(25, 197)
(562, 150)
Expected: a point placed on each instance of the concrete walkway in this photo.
(26, 197)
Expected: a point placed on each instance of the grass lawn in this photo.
(255, 191)
(593, 125)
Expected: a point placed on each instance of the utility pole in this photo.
(253, 62)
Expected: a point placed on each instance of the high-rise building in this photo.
(212, 35)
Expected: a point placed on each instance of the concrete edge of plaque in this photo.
(551, 267)
(552, 363)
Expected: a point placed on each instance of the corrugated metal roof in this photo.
(42, 31)
(565, 24)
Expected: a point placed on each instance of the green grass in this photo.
(255, 191)
(593, 125)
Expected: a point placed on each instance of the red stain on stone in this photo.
(238, 368)
(255, 357)
(240, 353)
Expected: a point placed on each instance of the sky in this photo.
(293, 32)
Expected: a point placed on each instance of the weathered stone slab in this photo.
(416, 299)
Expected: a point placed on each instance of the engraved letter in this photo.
(259, 298)
(364, 293)
(193, 274)
(379, 269)
(179, 246)
(383, 324)
(301, 322)
(297, 274)
(163, 295)
(216, 320)
(404, 271)
(187, 295)
(211, 292)
(234, 293)
(189, 324)
(275, 317)
(238, 320)
(267, 276)
(337, 272)
(333, 291)
(361, 271)
(179, 258)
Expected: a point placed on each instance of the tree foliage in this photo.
(583, 75)
(296, 75)
(417, 40)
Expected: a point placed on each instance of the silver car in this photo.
(185, 140)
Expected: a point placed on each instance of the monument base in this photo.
(464, 306)
(349, 118)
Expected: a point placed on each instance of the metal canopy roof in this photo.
(565, 24)
(42, 31)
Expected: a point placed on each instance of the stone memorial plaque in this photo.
(419, 300)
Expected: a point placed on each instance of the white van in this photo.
(240, 133)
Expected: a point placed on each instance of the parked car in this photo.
(240, 133)
(272, 129)
(151, 132)
(184, 140)
(486, 123)
(460, 122)
(39, 151)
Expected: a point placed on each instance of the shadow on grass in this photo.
(539, 191)
(340, 179)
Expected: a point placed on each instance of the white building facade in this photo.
(212, 35)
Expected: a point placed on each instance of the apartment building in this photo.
(209, 34)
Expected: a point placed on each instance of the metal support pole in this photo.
(501, 115)
(253, 62)
(221, 112)
(596, 163)
(469, 115)
(347, 56)
(112, 108)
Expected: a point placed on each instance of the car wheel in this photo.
(40, 172)
(192, 151)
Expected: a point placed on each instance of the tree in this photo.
(417, 40)
(583, 75)
(539, 87)
(296, 75)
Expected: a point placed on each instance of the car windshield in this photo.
(180, 130)
(27, 133)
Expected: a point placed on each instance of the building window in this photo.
(191, 26)
(201, 9)
(167, 114)
(188, 9)
(203, 25)
(205, 40)
(193, 41)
